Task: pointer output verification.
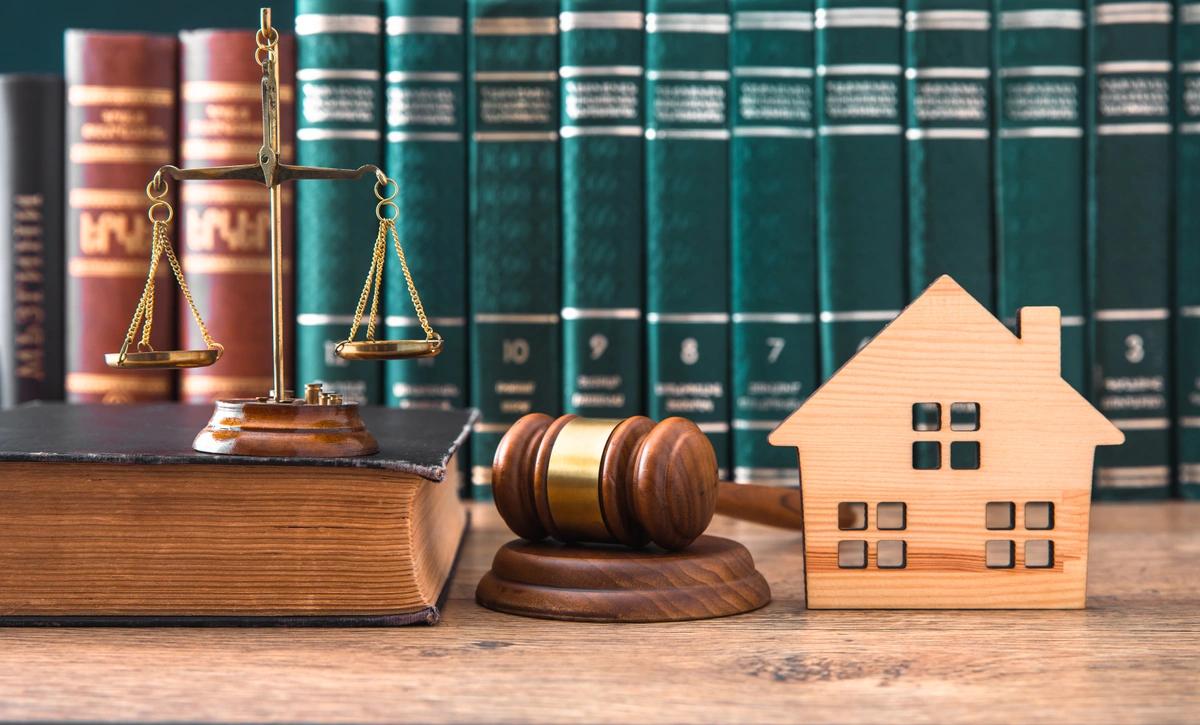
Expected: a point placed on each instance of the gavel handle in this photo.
(770, 505)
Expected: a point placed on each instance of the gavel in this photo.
(630, 481)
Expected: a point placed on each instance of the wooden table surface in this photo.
(1132, 656)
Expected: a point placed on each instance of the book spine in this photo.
(339, 55)
(120, 128)
(31, 257)
(1040, 168)
(947, 57)
(514, 233)
(774, 282)
(1187, 230)
(426, 152)
(687, 215)
(225, 227)
(1129, 245)
(860, 174)
(602, 196)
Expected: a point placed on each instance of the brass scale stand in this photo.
(319, 424)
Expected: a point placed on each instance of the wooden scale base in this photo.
(253, 427)
(714, 577)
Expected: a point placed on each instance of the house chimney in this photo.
(1040, 330)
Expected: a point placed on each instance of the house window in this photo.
(1000, 515)
(891, 516)
(964, 416)
(998, 553)
(1039, 554)
(891, 554)
(964, 455)
(927, 455)
(852, 516)
(927, 416)
(1039, 515)
(852, 554)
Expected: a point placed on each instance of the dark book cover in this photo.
(31, 256)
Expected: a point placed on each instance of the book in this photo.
(1130, 224)
(860, 174)
(602, 198)
(773, 294)
(948, 94)
(339, 124)
(687, 215)
(426, 152)
(225, 226)
(116, 520)
(1040, 168)
(120, 128)
(1187, 246)
(514, 227)
(31, 253)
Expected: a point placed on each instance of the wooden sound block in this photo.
(714, 577)
(247, 427)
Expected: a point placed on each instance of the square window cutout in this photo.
(927, 455)
(964, 455)
(999, 554)
(1039, 515)
(891, 554)
(852, 554)
(852, 516)
(1039, 554)
(891, 516)
(927, 416)
(1000, 515)
(964, 416)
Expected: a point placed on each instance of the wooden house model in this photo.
(948, 465)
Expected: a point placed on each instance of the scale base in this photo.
(295, 429)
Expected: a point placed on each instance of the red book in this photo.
(120, 128)
(225, 234)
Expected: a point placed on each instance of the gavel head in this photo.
(606, 481)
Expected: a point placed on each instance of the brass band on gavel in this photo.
(628, 481)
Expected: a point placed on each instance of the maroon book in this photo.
(225, 233)
(120, 127)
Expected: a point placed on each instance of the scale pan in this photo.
(164, 359)
(389, 349)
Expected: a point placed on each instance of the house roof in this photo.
(945, 341)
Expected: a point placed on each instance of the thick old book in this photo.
(1130, 242)
(1040, 168)
(514, 232)
(426, 153)
(120, 128)
(31, 248)
(1187, 246)
(687, 215)
(113, 519)
(602, 123)
(339, 124)
(948, 92)
(773, 352)
(225, 226)
(860, 174)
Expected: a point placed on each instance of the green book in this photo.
(340, 112)
(687, 215)
(1130, 242)
(947, 57)
(860, 174)
(513, 238)
(773, 351)
(427, 152)
(602, 198)
(1040, 192)
(1187, 230)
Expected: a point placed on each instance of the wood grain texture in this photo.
(1130, 657)
(714, 577)
(1036, 440)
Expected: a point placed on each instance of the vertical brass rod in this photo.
(279, 391)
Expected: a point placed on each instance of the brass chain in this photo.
(412, 288)
(377, 258)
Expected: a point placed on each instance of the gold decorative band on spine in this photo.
(120, 96)
(108, 267)
(117, 153)
(228, 264)
(195, 383)
(235, 192)
(118, 383)
(206, 149)
(573, 478)
(226, 91)
(107, 199)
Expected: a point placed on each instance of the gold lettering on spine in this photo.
(242, 230)
(29, 277)
(104, 232)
